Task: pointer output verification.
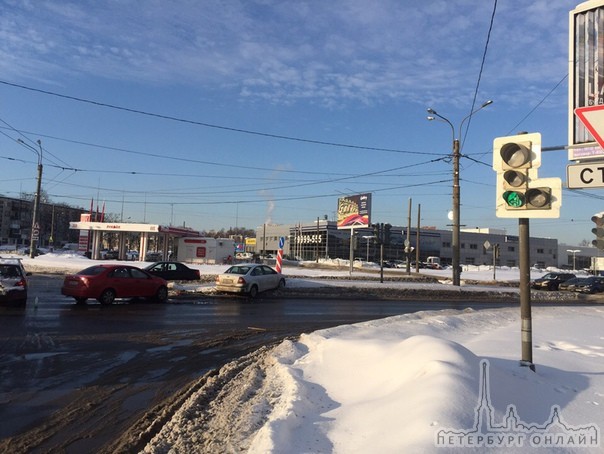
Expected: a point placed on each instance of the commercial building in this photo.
(322, 239)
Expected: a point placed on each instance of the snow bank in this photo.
(395, 385)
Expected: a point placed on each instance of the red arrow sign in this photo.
(593, 119)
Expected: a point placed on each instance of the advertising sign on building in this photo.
(586, 75)
(354, 211)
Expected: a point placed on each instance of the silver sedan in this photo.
(249, 278)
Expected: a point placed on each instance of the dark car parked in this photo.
(592, 284)
(551, 281)
(173, 271)
(569, 285)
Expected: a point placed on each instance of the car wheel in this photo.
(81, 300)
(253, 291)
(162, 294)
(107, 297)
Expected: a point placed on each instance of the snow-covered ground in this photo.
(424, 382)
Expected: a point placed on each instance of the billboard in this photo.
(586, 74)
(354, 211)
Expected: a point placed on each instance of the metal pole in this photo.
(264, 239)
(419, 208)
(52, 229)
(381, 262)
(351, 249)
(408, 236)
(326, 238)
(456, 202)
(495, 250)
(318, 233)
(526, 328)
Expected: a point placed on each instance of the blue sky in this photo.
(235, 113)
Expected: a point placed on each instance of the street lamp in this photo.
(35, 225)
(368, 238)
(574, 252)
(456, 189)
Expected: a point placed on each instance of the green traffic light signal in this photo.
(514, 199)
(531, 199)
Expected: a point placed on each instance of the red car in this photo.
(105, 283)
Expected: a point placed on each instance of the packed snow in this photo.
(437, 381)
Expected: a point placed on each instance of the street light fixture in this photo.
(574, 252)
(368, 238)
(35, 225)
(456, 189)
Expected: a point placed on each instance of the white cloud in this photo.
(327, 52)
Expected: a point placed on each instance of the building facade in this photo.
(323, 240)
(16, 223)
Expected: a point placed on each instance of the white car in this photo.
(13, 282)
(250, 278)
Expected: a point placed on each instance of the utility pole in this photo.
(456, 202)
(35, 225)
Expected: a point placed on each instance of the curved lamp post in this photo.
(456, 189)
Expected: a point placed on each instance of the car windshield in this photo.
(91, 271)
(238, 270)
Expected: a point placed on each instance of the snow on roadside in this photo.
(390, 385)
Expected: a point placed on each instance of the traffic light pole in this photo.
(525, 294)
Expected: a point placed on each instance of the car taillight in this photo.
(241, 281)
(21, 283)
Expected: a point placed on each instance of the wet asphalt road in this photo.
(74, 377)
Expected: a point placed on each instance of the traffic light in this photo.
(377, 233)
(598, 230)
(387, 228)
(520, 193)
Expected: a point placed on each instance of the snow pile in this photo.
(395, 385)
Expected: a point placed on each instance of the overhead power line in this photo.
(209, 125)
